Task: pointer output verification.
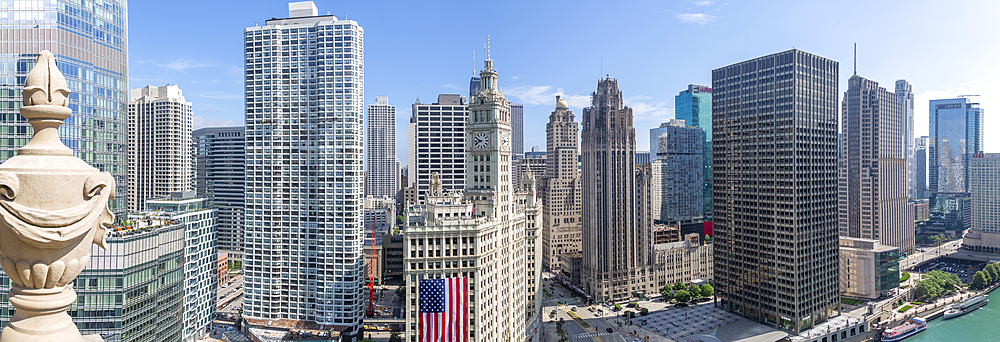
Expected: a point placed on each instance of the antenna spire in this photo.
(855, 59)
(473, 63)
(487, 46)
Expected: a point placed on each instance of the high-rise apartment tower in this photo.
(517, 129)
(304, 85)
(956, 130)
(220, 175)
(383, 173)
(159, 144)
(904, 94)
(694, 106)
(774, 165)
(920, 167)
(437, 144)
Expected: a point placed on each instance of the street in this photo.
(235, 286)
(930, 253)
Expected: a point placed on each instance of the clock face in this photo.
(482, 140)
(506, 141)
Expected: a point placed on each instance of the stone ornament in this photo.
(53, 206)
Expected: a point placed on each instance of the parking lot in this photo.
(964, 269)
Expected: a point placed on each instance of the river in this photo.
(980, 325)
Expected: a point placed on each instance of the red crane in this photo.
(371, 274)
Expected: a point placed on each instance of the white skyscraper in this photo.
(437, 144)
(159, 144)
(984, 234)
(383, 173)
(904, 94)
(489, 234)
(304, 84)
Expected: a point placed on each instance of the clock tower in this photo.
(488, 157)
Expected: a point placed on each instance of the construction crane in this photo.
(967, 95)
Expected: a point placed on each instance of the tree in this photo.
(707, 290)
(679, 286)
(682, 296)
(644, 311)
(666, 293)
(695, 291)
(618, 306)
(986, 276)
(979, 280)
(399, 219)
(994, 271)
(630, 314)
(401, 290)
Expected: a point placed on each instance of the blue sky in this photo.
(419, 49)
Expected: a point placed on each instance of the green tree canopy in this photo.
(994, 271)
(695, 291)
(979, 280)
(679, 286)
(707, 290)
(666, 293)
(682, 296)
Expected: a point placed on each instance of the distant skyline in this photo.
(414, 50)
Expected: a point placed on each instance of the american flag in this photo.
(444, 310)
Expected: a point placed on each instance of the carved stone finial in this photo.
(53, 206)
(435, 184)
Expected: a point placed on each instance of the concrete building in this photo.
(489, 234)
(528, 163)
(517, 129)
(666, 233)
(617, 227)
(392, 258)
(220, 175)
(921, 210)
(767, 199)
(682, 261)
(437, 144)
(90, 43)
(560, 189)
(382, 177)
(920, 168)
(159, 144)
(984, 234)
(873, 190)
(694, 106)
(200, 255)
(678, 176)
(956, 129)
(904, 95)
(318, 284)
(868, 269)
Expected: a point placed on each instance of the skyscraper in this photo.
(437, 144)
(677, 173)
(159, 147)
(474, 86)
(873, 188)
(775, 221)
(560, 189)
(221, 172)
(517, 132)
(956, 128)
(489, 234)
(90, 43)
(920, 167)
(617, 229)
(304, 89)
(694, 106)
(904, 94)
(984, 234)
(383, 173)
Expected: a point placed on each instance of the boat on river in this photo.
(966, 307)
(910, 328)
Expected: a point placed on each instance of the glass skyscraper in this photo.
(304, 85)
(694, 106)
(90, 42)
(956, 128)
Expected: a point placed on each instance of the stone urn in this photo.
(53, 206)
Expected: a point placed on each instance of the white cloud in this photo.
(643, 110)
(703, 3)
(695, 18)
(516, 77)
(180, 64)
(545, 95)
(200, 122)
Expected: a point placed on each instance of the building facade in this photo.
(382, 178)
(560, 189)
(984, 234)
(920, 167)
(694, 106)
(868, 269)
(873, 190)
(489, 234)
(528, 163)
(437, 144)
(956, 129)
(765, 209)
(904, 95)
(617, 228)
(304, 149)
(90, 44)
(677, 173)
(159, 146)
(200, 285)
(682, 261)
(220, 173)
(517, 129)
